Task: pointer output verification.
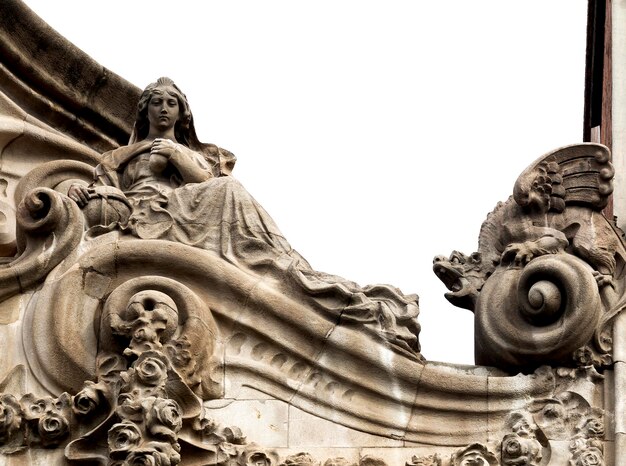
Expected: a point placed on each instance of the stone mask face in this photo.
(149, 320)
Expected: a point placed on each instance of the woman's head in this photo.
(164, 87)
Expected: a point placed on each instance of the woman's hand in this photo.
(161, 152)
(165, 147)
(164, 150)
(80, 194)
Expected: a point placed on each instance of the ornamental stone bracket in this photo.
(547, 281)
(152, 313)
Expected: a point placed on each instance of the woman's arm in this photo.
(81, 194)
(191, 166)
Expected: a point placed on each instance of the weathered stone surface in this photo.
(56, 83)
(151, 312)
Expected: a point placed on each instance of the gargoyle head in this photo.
(462, 275)
(150, 319)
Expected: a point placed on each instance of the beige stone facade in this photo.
(152, 313)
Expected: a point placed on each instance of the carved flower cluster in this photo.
(10, 418)
(33, 421)
(253, 455)
(87, 401)
(147, 377)
(300, 459)
(10, 424)
(151, 371)
(590, 456)
(140, 389)
(475, 454)
(516, 450)
(149, 437)
(586, 446)
(147, 433)
(143, 417)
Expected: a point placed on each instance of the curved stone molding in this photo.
(51, 175)
(63, 82)
(116, 324)
(50, 227)
(292, 352)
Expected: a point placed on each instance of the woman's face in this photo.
(163, 109)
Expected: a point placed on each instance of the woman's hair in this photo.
(184, 130)
(221, 160)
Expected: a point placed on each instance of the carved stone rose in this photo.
(10, 417)
(430, 460)
(87, 400)
(47, 417)
(475, 454)
(151, 371)
(368, 460)
(53, 428)
(589, 457)
(153, 454)
(254, 455)
(300, 459)
(340, 461)
(257, 459)
(163, 417)
(592, 427)
(122, 438)
(517, 450)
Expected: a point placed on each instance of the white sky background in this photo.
(377, 134)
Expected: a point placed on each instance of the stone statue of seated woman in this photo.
(167, 185)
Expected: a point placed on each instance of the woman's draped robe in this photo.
(220, 216)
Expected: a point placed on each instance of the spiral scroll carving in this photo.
(40, 211)
(50, 226)
(538, 314)
(158, 313)
(541, 302)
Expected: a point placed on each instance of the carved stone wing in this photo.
(580, 174)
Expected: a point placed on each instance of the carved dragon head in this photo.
(462, 275)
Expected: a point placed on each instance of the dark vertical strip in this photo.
(592, 13)
(606, 134)
(606, 130)
(597, 124)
